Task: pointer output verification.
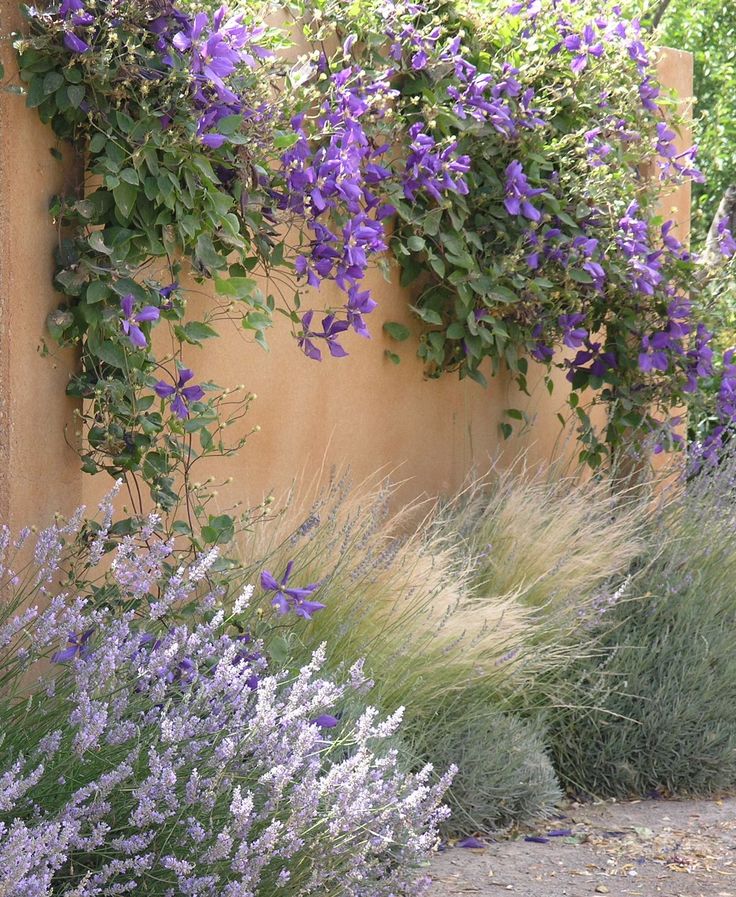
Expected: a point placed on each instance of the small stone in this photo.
(601, 889)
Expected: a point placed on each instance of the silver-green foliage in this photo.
(504, 775)
(657, 708)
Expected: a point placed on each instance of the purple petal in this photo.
(178, 406)
(326, 721)
(530, 212)
(148, 313)
(193, 393)
(66, 654)
(310, 350)
(307, 608)
(163, 390)
(184, 375)
(74, 43)
(213, 141)
(268, 581)
(287, 573)
(472, 843)
(300, 594)
(127, 303)
(136, 336)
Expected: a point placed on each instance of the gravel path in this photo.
(637, 849)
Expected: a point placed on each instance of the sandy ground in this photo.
(642, 848)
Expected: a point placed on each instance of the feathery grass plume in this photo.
(490, 586)
(465, 610)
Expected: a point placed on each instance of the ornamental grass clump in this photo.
(463, 610)
(149, 746)
(652, 709)
(491, 586)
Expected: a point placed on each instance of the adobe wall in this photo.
(361, 411)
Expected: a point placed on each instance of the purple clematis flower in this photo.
(331, 330)
(131, 320)
(654, 357)
(573, 335)
(78, 647)
(359, 303)
(286, 599)
(166, 293)
(180, 394)
(518, 193)
(582, 46)
(726, 242)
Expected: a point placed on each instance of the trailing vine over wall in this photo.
(505, 143)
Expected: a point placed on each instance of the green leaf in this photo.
(256, 320)
(285, 140)
(35, 95)
(97, 291)
(111, 353)
(238, 287)
(97, 143)
(437, 265)
(416, 244)
(431, 222)
(97, 242)
(207, 254)
(130, 176)
(125, 195)
(429, 315)
(397, 331)
(392, 357)
(52, 82)
(580, 276)
(456, 331)
(76, 94)
(194, 332)
(219, 530)
(504, 294)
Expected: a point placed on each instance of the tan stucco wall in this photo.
(39, 473)
(361, 411)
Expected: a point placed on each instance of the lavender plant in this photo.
(148, 746)
(648, 707)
